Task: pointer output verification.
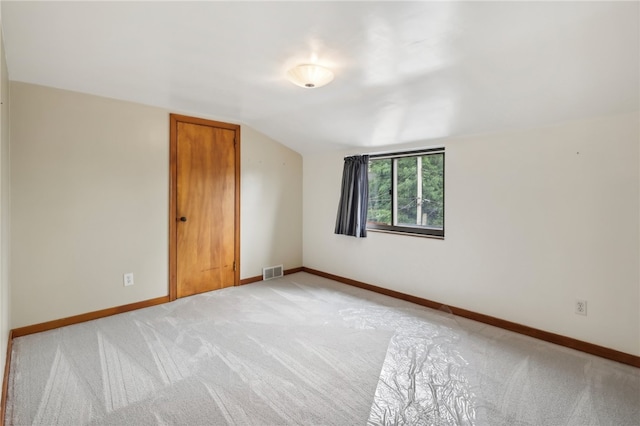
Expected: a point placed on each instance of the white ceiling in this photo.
(405, 72)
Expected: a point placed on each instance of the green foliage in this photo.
(407, 187)
(431, 209)
(433, 189)
(380, 192)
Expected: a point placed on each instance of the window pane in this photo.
(407, 191)
(433, 191)
(420, 202)
(379, 192)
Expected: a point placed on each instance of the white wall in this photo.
(271, 204)
(534, 220)
(90, 184)
(5, 206)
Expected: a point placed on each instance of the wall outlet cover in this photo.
(581, 307)
(128, 279)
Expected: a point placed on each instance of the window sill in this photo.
(409, 234)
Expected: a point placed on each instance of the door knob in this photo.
(183, 219)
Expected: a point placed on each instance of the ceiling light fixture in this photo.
(310, 76)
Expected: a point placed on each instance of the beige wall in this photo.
(271, 205)
(534, 220)
(5, 206)
(531, 224)
(90, 202)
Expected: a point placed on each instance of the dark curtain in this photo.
(352, 210)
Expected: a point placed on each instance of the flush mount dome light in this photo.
(309, 76)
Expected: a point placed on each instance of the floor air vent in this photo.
(272, 272)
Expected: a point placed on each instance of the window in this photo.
(406, 192)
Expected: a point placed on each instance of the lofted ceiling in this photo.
(404, 71)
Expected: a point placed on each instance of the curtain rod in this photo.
(399, 153)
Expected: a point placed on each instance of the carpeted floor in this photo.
(310, 351)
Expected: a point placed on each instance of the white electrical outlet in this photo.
(581, 307)
(128, 279)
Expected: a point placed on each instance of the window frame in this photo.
(405, 229)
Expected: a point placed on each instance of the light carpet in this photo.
(310, 351)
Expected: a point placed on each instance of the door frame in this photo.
(174, 119)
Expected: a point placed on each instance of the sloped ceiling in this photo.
(405, 71)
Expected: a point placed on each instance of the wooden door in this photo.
(205, 205)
